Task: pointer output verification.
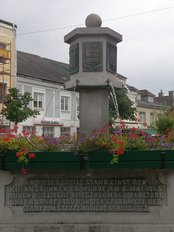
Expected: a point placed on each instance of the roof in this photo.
(121, 77)
(34, 66)
(132, 88)
(61, 66)
(145, 93)
(150, 105)
(8, 23)
(41, 68)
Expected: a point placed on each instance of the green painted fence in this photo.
(96, 160)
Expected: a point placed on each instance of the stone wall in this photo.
(88, 201)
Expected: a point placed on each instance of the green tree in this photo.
(165, 121)
(126, 108)
(15, 106)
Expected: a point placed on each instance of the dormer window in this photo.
(3, 45)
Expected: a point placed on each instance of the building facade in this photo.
(7, 60)
(166, 100)
(147, 109)
(44, 79)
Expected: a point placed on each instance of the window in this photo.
(38, 100)
(78, 106)
(65, 102)
(65, 131)
(152, 117)
(142, 117)
(3, 89)
(48, 131)
(29, 129)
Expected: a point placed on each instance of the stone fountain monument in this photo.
(93, 70)
(74, 200)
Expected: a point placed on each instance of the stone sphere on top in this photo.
(93, 20)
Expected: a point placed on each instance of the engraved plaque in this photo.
(111, 58)
(84, 195)
(92, 56)
(74, 58)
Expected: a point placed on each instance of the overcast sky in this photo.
(146, 54)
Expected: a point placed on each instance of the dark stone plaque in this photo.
(84, 195)
(92, 56)
(111, 58)
(74, 58)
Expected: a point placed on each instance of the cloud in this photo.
(145, 56)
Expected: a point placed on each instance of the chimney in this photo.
(160, 94)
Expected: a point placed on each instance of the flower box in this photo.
(134, 159)
(96, 160)
(43, 160)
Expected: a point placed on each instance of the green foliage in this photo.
(16, 106)
(14, 142)
(170, 113)
(125, 106)
(100, 140)
(163, 123)
(135, 143)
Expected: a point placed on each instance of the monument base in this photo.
(89, 201)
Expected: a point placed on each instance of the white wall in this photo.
(51, 112)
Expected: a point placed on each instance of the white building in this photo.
(44, 79)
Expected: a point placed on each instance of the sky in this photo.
(145, 56)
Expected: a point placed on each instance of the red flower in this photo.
(24, 150)
(133, 129)
(133, 136)
(12, 135)
(120, 143)
(26, 133)
(24, 171)
(31, 155)
(19, 154)
(3, 130)
(114, 139)
(5, 139)
(120, 151)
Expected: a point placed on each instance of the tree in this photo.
(125, 106)
(15, 106)
(165, 121)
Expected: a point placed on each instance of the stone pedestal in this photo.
(96, 201)
(94, 109)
